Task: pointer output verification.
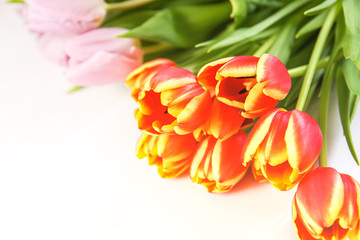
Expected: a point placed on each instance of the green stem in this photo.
(315, 55)
(126, 5)
(323, 112)
(266, 45)
(300, 71)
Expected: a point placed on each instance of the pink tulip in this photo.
(63, 16)
(98, 57)
(52, 47)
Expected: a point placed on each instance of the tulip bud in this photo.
(172, 102)
(283, 146)
(218, 164)
(98, 57)
(249, 83)
(63, 17)
(327, 206)
(138, 77)
(171, 153)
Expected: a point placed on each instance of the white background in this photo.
(68, 168)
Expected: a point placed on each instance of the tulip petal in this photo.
(206, 75)
(257, 103)
(171, 78)
(195, 114)
(303, 140)
(302, 231)
(227, 164)
(224, 120)
(271, 70)
(240, 66)
(350, 212)
(274, 145)
(258, 134)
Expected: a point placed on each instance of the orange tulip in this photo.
(171, 153)
(249, 83)
(283, 146)
(217, 164)
(138, 77)
(224, 120)
(172, 102)
(327, 206)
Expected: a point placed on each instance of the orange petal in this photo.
(227, 161)
(349, 215)
(257, 103)
(271, 70)
(240, 66)
(206, 75)
(224, 120)
(194, 114)
(258, 134)
(302, 231)
(274, 146)
(303, 140)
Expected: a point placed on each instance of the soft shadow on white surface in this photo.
(68, 168)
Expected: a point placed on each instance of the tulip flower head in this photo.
(138, 77)
(171, 153)
(327, 206)
(63, 17)
(172, 102)
(283, 146)
(218, 164)
(249, 83)
(98, 57)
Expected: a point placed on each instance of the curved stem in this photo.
(318, 48)
(126, 5)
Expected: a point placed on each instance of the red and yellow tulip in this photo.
(283, 146)
(138, 77)
(217, 164)
(249, 83)
(171, 153)
(172, 102)
(327, 206)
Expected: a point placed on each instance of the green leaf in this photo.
(319, 8)
(130, 20)
(351, 10)
(266, 3)
(75, 89)
(313, 25)
(245, 33)
(239, 11)
(344, 109)
(183, 26)
(352, 76)
(354, 100)
(282, 46)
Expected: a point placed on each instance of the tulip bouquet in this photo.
(225, 87)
